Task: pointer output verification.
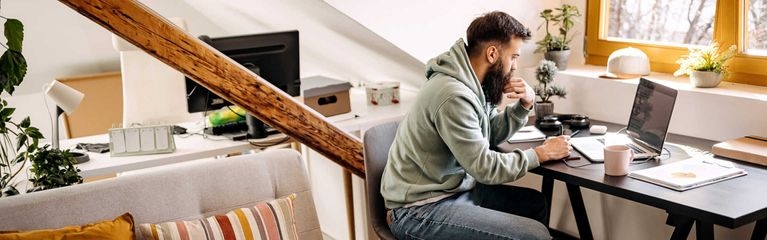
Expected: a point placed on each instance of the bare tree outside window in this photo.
(757, 27)
(664, 21)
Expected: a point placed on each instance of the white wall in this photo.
(425, 29)
(60, 42)
(331, 43)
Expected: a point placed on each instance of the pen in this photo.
(568, 158)
(575, 133)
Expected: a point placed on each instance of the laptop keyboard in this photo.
(633, 147)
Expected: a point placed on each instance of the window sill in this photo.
(728, 111)
(682, 83)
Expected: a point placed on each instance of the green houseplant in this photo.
(545, 89)
(706, 66)
(556, 47)
(52, 168)
(19, 139)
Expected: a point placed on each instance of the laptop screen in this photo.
(651, 114)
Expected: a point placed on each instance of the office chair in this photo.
(376, 142)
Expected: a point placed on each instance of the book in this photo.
(689, 173)
(527, 134)
(751, 149)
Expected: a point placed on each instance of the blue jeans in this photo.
(485, 212)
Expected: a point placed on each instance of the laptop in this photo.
(646, 129)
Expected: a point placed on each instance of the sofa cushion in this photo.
(118, 229)
(266, 220)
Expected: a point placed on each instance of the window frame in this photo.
(729, 28)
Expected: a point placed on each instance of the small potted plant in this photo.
(556, 47)
(52, 168)
(706, 66)
(545, 89)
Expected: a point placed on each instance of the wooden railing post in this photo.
(157, 36)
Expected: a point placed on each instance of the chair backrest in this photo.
(376, 142)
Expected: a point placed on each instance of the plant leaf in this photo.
(6, 113)
(19, 159)
(9, 191)
(13, 67)
(14, 32)
(34, 133)
(21, 139)
(25, 123)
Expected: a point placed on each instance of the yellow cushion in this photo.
(266, 220)
(118, 229)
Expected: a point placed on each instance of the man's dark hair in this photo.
(494, 26)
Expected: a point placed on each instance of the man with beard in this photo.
(442, 180)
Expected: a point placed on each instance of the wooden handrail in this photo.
(157, 36)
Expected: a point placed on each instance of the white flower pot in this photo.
(704, 79)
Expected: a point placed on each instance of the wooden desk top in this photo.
(731, 203)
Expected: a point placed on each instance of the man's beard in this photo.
(494, 82)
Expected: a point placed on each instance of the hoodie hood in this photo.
(455, 63)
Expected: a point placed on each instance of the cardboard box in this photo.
(326, 95)
(751, 149)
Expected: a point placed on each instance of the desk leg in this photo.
(579, 210)
(704, 230)
(547, 188)
(349, 202)
(682, 226)
(760, 230)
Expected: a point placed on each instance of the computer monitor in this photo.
(273, 56)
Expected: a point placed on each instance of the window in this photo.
(664, 29)
(756, 17)
(662, 22)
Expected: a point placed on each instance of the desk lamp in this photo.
(67, 99)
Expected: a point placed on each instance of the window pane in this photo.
(662, 21)
(757, 27)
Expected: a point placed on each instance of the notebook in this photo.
(689, 173)
(527, 134)
(646, 129)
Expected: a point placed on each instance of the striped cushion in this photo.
(266, 220)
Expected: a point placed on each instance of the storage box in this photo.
(326, 95)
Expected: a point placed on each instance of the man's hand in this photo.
(517, 88)
(553, 148)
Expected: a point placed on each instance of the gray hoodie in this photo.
(443, 144)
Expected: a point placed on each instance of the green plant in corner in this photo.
(19, 140)
(706, 59)
(565, 18)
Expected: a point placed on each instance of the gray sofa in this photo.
(179, 192)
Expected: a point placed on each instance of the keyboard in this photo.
(232, 127)
(633, 147)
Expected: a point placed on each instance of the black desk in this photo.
(732, 203)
